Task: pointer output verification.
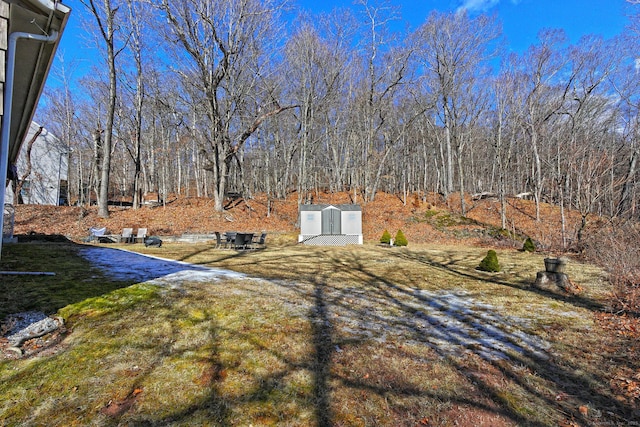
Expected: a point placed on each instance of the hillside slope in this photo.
(428, 219)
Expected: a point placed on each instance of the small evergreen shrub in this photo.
(490, 262)
(400, 239)
(528, 245)
(386, 237)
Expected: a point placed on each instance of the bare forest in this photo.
(209, 115)
(211, 98)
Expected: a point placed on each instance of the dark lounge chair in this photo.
(259, 242)
(230, 237)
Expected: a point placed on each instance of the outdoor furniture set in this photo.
(100, 235)
(227, 240)
(240, 241)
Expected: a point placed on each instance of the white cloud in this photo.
(478, 5)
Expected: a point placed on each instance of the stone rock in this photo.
(35, 330)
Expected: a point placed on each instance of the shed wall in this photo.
(352, 222)
(310, 223)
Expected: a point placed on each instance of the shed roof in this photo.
(342, 207)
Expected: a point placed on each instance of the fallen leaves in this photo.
(629, 387)
(194, 215)
(561, 396)
(584, 410)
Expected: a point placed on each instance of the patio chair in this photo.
(141, 235)
(238, 241)
(218, 239)
(258, 242)
(248, 240)
(127, 235)
(230, 237)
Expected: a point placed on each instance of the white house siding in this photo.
(49, 167)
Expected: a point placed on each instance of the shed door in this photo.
(331, 221)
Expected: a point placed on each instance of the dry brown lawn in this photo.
(352, 336)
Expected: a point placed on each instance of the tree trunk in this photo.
(624, 204)
(463, 206)
(105, 18)
(537, 173)
(17, 198)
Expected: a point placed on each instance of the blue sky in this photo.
(521, 19)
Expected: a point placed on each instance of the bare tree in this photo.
(135, 21)
(627, 87)
(452, 50)
(17, 186)
(507, 99)
(547, 90)
(385, 63)
(105, 16)
(307, 56)
(583, 158)
(225, 49)
(61, 104)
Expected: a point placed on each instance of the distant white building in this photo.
(46, 184)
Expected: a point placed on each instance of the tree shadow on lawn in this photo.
(453, 325)
(337, 308)
(68, 278)
(449, 323)
(453, 267)
(482, 330)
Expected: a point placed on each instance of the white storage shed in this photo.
(330, 225)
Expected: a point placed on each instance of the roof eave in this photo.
(33, 61)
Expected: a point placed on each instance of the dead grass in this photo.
(349, 336)
(329, 336)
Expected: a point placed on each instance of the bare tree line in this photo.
(210, 97)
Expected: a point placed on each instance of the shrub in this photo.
(400, 239)
(386, 237)
(528, 245)
(614, 246)
(490, 262)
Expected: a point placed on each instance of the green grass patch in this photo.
(74, 279)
